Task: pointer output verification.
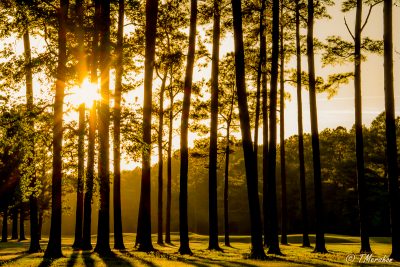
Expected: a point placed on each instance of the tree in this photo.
(33, 203)
(391, 145)
(302, 171)
(282, 127)
(229, 117)
(103, 231)
(87, 216)
(54, 246)
(257, 250)
(271, 183)
(320, 240)
(143, 238)
(184, 155)
(212, 187)
(81, 69)
(118, 237)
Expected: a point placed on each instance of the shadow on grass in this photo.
(3, 262)
(141, 260)
(72, 260)
(87, 259)
(114, 260)
(46, 262)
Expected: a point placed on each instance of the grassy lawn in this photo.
(14, 254)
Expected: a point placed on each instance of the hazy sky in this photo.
(339, 110)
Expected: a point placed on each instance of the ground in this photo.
(343, 250)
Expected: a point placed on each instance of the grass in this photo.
(14, 254)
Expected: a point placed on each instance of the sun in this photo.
(86, 94)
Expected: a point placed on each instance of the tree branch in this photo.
(348, 29)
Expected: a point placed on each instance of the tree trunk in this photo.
(160, 161)
(263, 58)
(14, 231)
(40, 224)
(143, 238)
(81, 67)
(320, 240)
(282, 134)
(169, 167)
(118, 237)
(183, 194)
(22, 223)
(257, 250)
(361, 187)
(304, 212)
(34, 241)
(87, 216)
(54, 246)
(4, 232)
(79, 192)
(212, 182)
(226, 187)
(391, 150)
(103, 228)
(271, 180)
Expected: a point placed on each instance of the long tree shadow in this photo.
(72, 260)
(113, 259)
(87, 259)
(3, 262)
(46, 262)
(141, 260)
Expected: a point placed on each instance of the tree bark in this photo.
(212, 182)
(187, 90)
(143, 238)
(271, 180)
(302, 170)
(282, 133)
(263, 58)
(33, 205)
(54, 246)
(81, 69)
(320, 240)
(226, 187)
(14, 231)
(169, 166)
(118, 236)
(87, 216)
(160, 161)
(361, 186)
(391, 149)
(257, 250)
(22, 223)
(4, 232)
(103, 228)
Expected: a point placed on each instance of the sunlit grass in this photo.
(14, 253)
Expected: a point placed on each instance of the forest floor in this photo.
(343, 250)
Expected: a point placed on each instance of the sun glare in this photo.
(86, 94)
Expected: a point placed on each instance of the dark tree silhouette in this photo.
(14, 229)
(282, 129)
(302, 170)
(118, 237)
(361, 186)
(103, 226)
(212, 184)
(54, 246)
(320, 240)
(143, 238)
(81, 67)
(257, 250)
(273, 241)
(87, 216)
(187, 90)
(391, 146)
(4, 229)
